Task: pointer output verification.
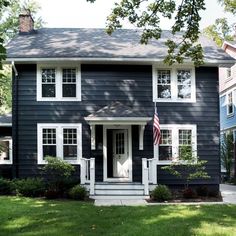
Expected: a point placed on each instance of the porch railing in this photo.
(87, 175)
(148, 173)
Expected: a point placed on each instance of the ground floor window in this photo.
(63, 141)
(5, 151)
(173, 139)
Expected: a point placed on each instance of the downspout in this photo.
(15, 170)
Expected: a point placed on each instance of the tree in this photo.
(146, 14)
(229, 5)
(3, 5)
(220, 31)
(188, 166)
(227, 152)
(9, 25)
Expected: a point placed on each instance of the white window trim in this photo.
(58, 68)
(174, 89)
(175, 141)
(227, 103)
(10, 161)
(59, 141)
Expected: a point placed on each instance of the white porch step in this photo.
(118, 186)
(117, 197)
(119, 192)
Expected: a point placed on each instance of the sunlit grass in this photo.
(36, 217)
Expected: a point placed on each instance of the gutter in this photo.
(15, 169)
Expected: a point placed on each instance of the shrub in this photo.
(58, 173)
(51, 193)
(78, 192)
(213, 193)
(161, 193)
(30, 187)
(6, 186)
(188, 193)
(202, 191)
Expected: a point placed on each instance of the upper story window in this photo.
(173, 138)
(58, 83)
(230, 104)
(174, 85)
(6, 151)
(60, 140)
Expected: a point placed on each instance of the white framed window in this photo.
(6, 151)
(230, 103)
(175, 84)
(63, 141)
(58, 82)
(174, 136)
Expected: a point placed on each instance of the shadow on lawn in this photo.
(24, 216)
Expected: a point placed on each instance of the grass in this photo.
(34, 217)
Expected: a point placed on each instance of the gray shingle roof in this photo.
(6, 119)
(116, 109)
(95, 43)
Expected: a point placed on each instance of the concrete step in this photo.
(119, 192)
(119, 186)
(119, 197)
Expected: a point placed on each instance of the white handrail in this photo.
(145, 181)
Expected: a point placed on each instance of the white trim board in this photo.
(59, 140)
(10, 161)
(58, 81)
(174, 84)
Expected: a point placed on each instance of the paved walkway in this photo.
(110, 202)
(228, 193)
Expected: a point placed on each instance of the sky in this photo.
(81, 14)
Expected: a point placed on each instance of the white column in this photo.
(82, 171)
(92, 175)
(141, 133)
(93, 139)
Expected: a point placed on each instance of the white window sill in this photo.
(6, 162)
(230, 115)
(75, 162)
(58, 100)
(175, 100)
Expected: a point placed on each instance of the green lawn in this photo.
(24, 216)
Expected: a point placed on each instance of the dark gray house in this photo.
(88, 98)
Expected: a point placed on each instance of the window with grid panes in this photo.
(69, 144)
(165, 147)
(184, 83)
(49, 143)
(48, 82)
(69, 82)
(164, 84)
(185, 142)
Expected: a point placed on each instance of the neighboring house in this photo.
(88, 98)
(6, 145)
(228, 96)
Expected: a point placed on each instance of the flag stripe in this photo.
(156, 130)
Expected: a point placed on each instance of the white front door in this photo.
(120, 153)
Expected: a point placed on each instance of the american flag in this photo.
(156, 130)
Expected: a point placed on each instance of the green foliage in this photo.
(188, 166)
(219, 32)
(30, 187)
(78, 192)
(161, 193)
(6, 187)
(227, 152)
(229, 5)
(58, 173)
(5, 90)
(146, 14)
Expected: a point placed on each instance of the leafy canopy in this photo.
(146, 14)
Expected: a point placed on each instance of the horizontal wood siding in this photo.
(132, 85)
